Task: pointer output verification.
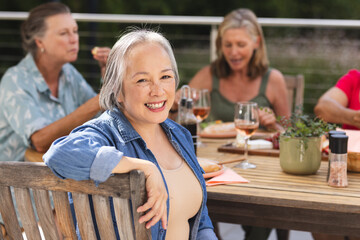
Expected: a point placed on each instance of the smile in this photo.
(235, 61)
(155, 105)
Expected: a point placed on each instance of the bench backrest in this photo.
(128, 192)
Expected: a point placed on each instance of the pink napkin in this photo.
(227, 177)
(354, 140)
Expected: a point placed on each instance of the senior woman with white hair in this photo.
(134, 133)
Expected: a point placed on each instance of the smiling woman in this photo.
(149, 85)
(134, 133)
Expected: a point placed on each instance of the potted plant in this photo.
(300, 143)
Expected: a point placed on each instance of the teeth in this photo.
(155, 105)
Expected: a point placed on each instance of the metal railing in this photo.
(289, 55)
(196, 20)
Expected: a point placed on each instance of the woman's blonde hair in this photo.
(241, 18)
(117, 63)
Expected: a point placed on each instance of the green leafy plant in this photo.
(303, 126)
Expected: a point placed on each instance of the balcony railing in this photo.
(322, 54)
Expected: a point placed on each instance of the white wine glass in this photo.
(201, 107)
(246, 119)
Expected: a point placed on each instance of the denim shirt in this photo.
(92, 150)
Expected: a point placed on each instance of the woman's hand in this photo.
(157, 197)
(101, 55)
(155, 207)
(267, 119)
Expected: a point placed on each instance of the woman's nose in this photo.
(233, 50)
(74, 37)
(157, 89)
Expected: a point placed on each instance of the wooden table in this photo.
(279, 200)
(33, 156)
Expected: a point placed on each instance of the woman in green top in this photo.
(241, 72)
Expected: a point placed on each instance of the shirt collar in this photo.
(39, 80)
(126, 130)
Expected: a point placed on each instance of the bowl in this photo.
(353, 162)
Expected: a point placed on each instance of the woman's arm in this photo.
(101, 55)
(332, 107)
(278, 97)
(202, 79)
(88, 153)
(42, 139)
(156, 191)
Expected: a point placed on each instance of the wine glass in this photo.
(201, 107)
(246, 121)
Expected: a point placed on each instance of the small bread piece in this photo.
(94, 50)
(227, 127)
(208, 166)
(211, 168)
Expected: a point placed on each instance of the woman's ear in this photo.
(39, 43)
(120, 98)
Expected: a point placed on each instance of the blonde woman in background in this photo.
(241, 72)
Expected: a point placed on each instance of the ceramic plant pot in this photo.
(299, 156)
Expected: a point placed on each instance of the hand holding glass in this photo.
(246, 121)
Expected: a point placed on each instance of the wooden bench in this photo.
(127, 190)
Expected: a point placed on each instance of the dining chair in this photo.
(295, 85)
(127, 191)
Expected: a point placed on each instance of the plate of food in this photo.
(219, 130)
(211, 167)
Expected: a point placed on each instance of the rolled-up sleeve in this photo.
(100, 172)
(83, 155)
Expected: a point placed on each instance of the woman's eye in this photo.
(140, 81)
(166, 77)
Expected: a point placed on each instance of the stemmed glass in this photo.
(246, 121)
(201, 107)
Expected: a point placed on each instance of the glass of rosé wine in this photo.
(246, 119)
(201, 107)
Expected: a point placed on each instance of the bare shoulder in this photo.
(202, 79)
(276, 78)
(277, 93)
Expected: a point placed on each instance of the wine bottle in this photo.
(190, 121)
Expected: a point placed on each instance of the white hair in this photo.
(117, 63)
